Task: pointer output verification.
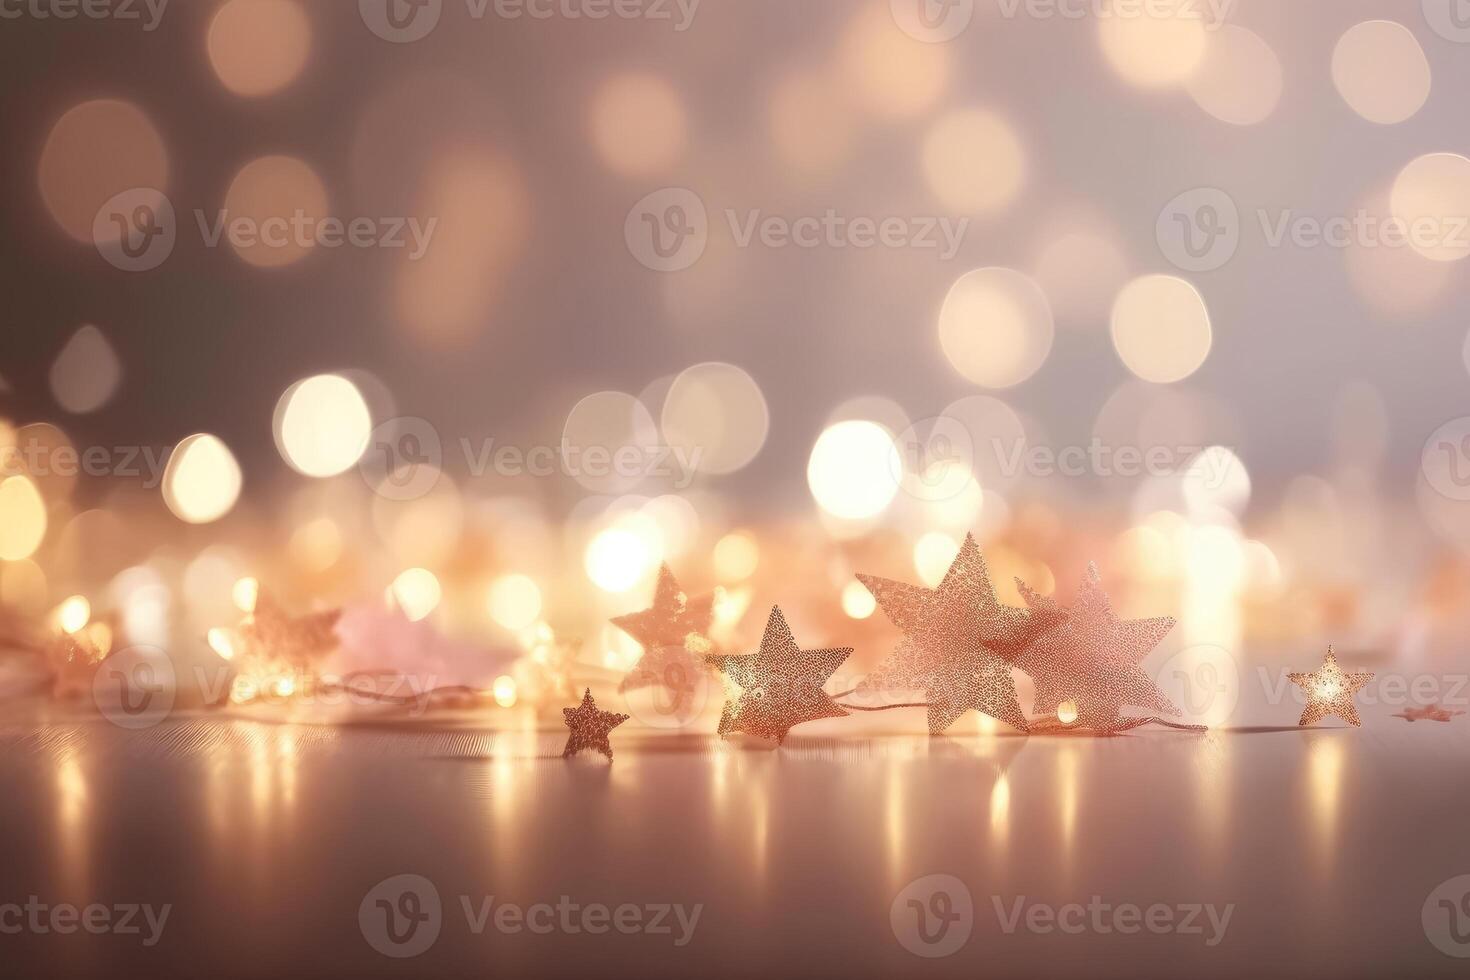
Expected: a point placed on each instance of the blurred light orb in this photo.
(281, 200)
(973, 161)
(850, 471)
(202, 479)
(811, 123)
(736, 556)
(74, 614)
(416, 592)
(934, 552)
(258, 47)
(1067, 712)
(1431, 197)
(996, 327)
(1216, 478)
(1161, 328)
(617, 558)
(1080, 273)
(857, 601)
(322, 425)
(515, 601)
(504, 690)
(1381, 71)
(87, 372)
(1239, 81)
(221, 642)
(245, 593)
(94, 152)
(1154, 45)
(716, 415)
(317, 544)
(604, 433)
(638, 124)
(891, 74)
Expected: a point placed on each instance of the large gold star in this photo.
(780, 686)
(588, 727)
(1093, 660)
(1329, 691)
(674, 634)
(959, 642)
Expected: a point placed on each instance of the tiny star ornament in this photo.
(588, 727)
(1329, 691)
(1093, 660)
(1431, 713)
(674, 634)
(959, 642)
(780, 686)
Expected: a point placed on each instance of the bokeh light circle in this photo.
(638, 124)
(1239, 81)
(974, 161)
(716, 415)
(202, 479)
(996, 327)
(1161, 328)
(322, 425)
(850, 470)
(1381, 71)
(96, 151)
(258, 47)
(1431, 199)
(283, 201)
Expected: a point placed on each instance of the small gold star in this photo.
(1330, 692)
(589, 727)
(780, 686)
(674, 634)
(1431, 713)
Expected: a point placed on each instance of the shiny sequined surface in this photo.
(589, 727)
(1329, 691)
(779, 687)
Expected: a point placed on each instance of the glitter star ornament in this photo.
(1329, 691)
(1092, 662)
(1431, 713)
(959, 642)
(588, 727)
(674, 634)
(780, 686)
(269, 634)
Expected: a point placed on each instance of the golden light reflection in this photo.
(1000, 814)
(245, 593)
(851, 470)
(73, 818)
(857, 601)
(1067, 793)
(73, 614)
(1325, 776)
(416, 592)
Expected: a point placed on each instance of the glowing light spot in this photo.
(933, 554)
(617, 559)
(515, 601)
(245, 593)
(322, 425)
(504, 690)
(22, 518)
(1161, 328)
(974, 161)
(1381, 71)
(851, 471)
(86, 373)
(416, 592)
(1431, 197)
(74, 614)
(736, 556)
(281, 201)
(1239, 81)
(609, 441)
(638, 124)
(857, 601)
(1067, 712)
(317, 544)
(1216, 478)
(221, 642)
(258, 47)
(1154, 45)
(996, 327)
(96, 151)
(891, 74)
(202, 480)
(716, 416)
